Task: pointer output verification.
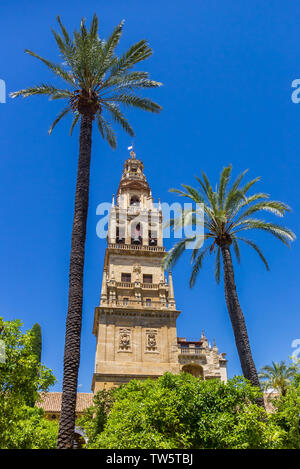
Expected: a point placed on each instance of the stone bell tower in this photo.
(135, 324)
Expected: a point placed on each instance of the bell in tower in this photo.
(137, 235)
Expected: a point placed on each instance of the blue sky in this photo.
(227, 69)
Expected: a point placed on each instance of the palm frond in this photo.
(67, 38)
(272, 206)
(128, 84)
(277, 376)
(238, 180)
(198, 243)
(106, 131)
(211, 195)
(174, 254)
(235, 194)
(74, 122)
(227, 212)
(36, 90)
(197, 266)
(67, 50)
(94, 27)
(119, 118)
(246, 201)
(132, 100)
(136, 53)
(282, 233)
(256, 248)
(63, 113)
(193, 193)
(233, 201)
(110, 46)
(97, 77)
(236, 249)
(224, 180)
(249, 184)
(55, 68)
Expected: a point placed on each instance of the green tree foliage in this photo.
(277, 376)
(95, 417)
(37, 352)
(287, 413)
(22, 377)
(29, 429)
(181, 411)
(37, 341)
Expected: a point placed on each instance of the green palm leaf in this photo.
(197, 266)
(63, 113)
(256, 248)
(97, 80)
(227, 213)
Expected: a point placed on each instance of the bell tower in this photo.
(135, 324)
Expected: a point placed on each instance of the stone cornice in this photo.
(120, 377)
(165, 313)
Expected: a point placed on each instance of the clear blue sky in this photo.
(227, 69)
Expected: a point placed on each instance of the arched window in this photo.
(135, 201)
(136, 234)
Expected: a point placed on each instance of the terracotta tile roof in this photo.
(51, 401)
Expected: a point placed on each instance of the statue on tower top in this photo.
(132, 152)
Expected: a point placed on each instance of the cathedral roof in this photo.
(51, 401)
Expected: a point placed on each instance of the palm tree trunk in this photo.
(238, 322)
(74, 317)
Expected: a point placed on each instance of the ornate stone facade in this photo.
(135, 324)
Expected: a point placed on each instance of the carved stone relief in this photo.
(125, 339)
(151, 340)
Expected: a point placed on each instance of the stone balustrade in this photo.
(154, 304)
(138, 247)
(190, 351)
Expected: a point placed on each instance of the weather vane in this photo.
(132, 153)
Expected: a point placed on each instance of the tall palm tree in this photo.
(227, 213)
(277, 376)
(98, 83)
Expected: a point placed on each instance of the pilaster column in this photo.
(112, 289)
(145, 228)
(103, 298)
(162, 290)
(112, 226)
(171, 291)
(160, 229)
